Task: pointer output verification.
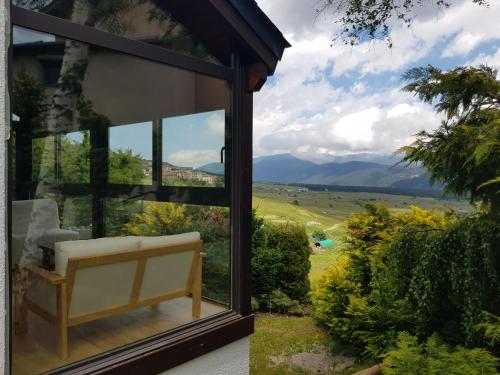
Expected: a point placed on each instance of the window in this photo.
(146, 21)
(193, 150)
(122, 225)
(131, 154)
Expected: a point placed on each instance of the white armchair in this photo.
(38, 220)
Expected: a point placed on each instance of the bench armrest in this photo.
(49, 277)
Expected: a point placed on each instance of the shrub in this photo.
(280, 260)
(435, 357)
(279, 302)
(292, 244)
(255, 304)
(419, 272)
(319, 235)
(295, 202)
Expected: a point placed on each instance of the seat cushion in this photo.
(73, 249)
(175, 239)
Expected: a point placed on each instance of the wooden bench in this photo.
(102, 285)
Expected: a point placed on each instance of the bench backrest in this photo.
(106, 284)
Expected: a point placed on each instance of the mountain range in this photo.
(286, 168)
(374, 170)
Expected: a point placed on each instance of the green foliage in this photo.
(419, 272)
(319, 235)
(255, 304)
(280, 259)
(295, 202)
(291, 241)
(373, 19)
(158, 219)
(279, 302)
(488, 330)
(435, 357)
(125, 168)
(464, 152)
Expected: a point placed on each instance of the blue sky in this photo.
(188, 141)
(326, 101)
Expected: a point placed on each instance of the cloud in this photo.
(192, 158)
(216, 124)
(337, 100)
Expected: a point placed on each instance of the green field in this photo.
(278, 335)
(328, 211)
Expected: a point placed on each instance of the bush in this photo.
(280, 260)
(279, 302)
(419, 272)
(292, 244)
(319, 235)
(435, 357)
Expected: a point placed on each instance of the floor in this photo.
(35, 352)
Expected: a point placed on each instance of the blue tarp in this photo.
(325, 243)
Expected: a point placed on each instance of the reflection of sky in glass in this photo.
(76, 137)
(136, 137)
(193, 140)
(23, 36)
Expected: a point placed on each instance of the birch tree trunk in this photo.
(63, 116)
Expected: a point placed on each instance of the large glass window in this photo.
(110, 244)
(147, 21)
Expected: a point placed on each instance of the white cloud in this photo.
(216, 124)
(307, 112)
(192, 158)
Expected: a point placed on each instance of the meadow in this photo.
(278, 335)
(328, 211)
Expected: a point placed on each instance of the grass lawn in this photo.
(277, 335)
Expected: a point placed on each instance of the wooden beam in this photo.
(257, 76)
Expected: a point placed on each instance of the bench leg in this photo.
(62, 321)
(196, 291)
(20, 315)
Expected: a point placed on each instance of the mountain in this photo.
(286, 168)
(212, 168)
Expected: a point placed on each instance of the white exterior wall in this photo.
(232, 359)
(4, 131)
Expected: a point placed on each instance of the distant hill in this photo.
(212, 168)
(286, 168)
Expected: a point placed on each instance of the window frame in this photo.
(171, 348)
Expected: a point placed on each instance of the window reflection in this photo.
(149, 21)
(87, 125)
(131, 154)
(193, 150)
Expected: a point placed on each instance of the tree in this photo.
(372, 19)
(464, 152)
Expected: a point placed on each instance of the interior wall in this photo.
(4, 132)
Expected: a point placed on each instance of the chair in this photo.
(38, 220)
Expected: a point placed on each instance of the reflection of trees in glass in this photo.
(213, 223)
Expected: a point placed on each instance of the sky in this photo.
(325, 100)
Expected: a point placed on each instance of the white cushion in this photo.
(51, 236)
(73, 249)
(175, 239)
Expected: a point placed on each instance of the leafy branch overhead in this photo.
(464, 152)
(373, 19)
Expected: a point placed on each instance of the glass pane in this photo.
(131, 154)
(85, 124)
(193, 152)
(148, 21)
(143, 218)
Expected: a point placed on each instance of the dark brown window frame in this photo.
(167, 350)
